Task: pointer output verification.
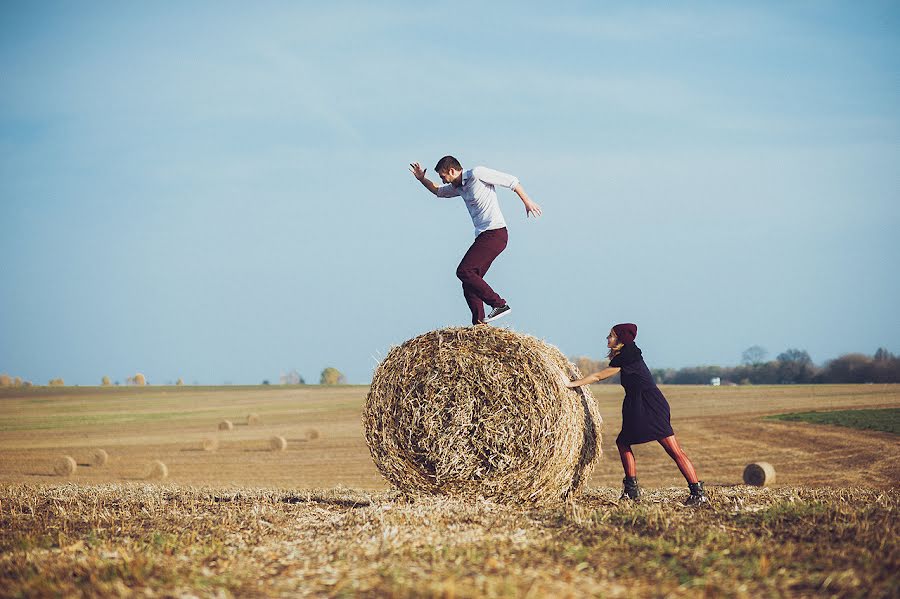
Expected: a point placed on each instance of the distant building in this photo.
(715, 381)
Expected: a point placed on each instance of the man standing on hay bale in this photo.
(476, 186)
(645, 412)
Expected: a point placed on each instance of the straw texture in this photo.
(481, 411)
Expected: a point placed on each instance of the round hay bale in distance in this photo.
(65, 466)
(278, 443)
(252, 419)
(209, 444)
(226, 425)
(158, 470)
(311, 434)
(481, 411)
(99, 457)
(759, 474)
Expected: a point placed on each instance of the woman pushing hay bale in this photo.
(481, 411)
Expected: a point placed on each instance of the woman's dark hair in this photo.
(446, 163)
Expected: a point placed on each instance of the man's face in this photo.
(451, 175)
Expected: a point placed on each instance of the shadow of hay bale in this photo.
(481, 411)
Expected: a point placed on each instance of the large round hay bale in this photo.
(226, 425)
(99, 457)
(481, 411)
(209, 444)
(278, 443)
(252, 419)
(65, 466)
(311, 434)
(158, 470)
(759, 474)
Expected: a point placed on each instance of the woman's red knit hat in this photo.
(625, 332)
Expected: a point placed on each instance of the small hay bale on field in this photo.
(252, 419)
(311, 434)
(65, 466)
(226, 425)
(99, 457)
(481, 411)
(209, 444)
(759, 474)
(278, 443)
(158, 470)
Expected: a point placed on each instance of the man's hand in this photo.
(532, 208)
(416, 169)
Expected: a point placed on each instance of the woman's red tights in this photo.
(670, 444)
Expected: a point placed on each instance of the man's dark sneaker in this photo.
(698, 495)
(631, 490)
(498, 313)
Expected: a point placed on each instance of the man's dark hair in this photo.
(446, 163)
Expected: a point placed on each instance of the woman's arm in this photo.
(593, 378)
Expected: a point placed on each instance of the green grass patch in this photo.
(886, 420)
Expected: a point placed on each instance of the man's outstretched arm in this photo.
(492, 177)
(531, 207)
(419, 173)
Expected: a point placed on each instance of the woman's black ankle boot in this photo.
(631, 488)
(698, 495)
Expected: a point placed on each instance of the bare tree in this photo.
(292, 378)
(754, 355)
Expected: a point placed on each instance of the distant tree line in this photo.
(329, 376)
(791, 367)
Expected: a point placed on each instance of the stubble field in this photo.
(317, 519)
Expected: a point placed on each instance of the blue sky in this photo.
(219, 191)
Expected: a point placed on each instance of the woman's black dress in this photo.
(645, 411)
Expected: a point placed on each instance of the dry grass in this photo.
(113, 540)
(277, 443)
(158, 470)
(481, 411)
(65, 466)
(226, 425)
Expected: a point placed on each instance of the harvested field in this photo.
(722, 428)
(242, 521)
(171, 540)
